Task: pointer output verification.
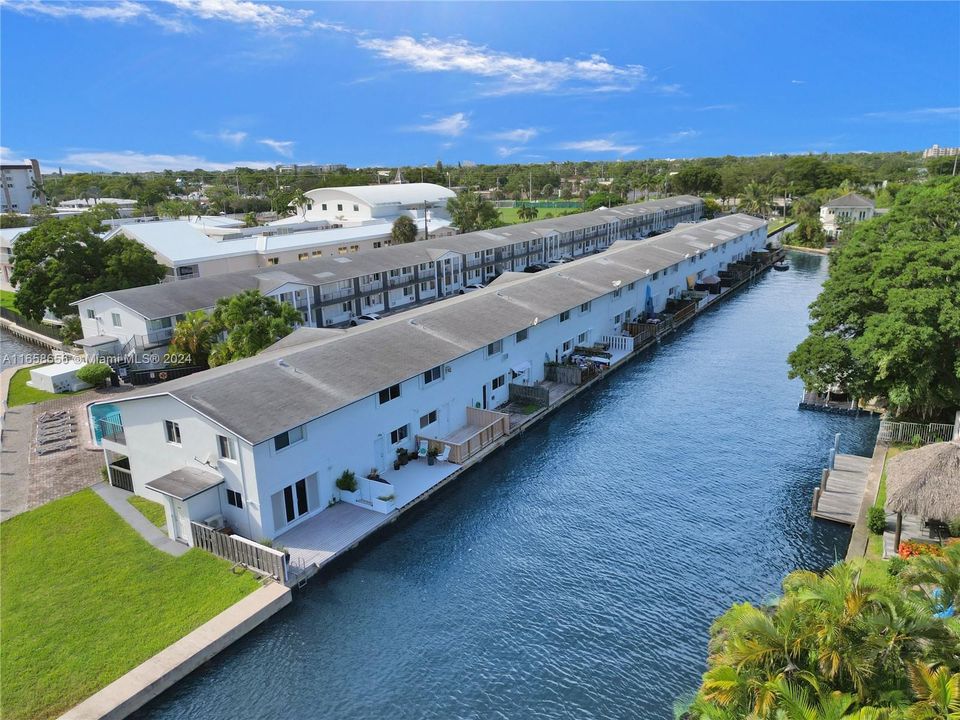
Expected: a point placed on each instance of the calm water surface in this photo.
(14, 351)
(575, 573)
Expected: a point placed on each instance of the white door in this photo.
(181, 522)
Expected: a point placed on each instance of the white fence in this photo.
(902, 432)
(618, 342)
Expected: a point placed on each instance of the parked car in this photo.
(554, 263)
(536, 267)
(471, 287)
(363, 319)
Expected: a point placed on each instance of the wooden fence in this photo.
(529, 394)
(50, 331)
(902, 432)
(564, 374)
(240, 550)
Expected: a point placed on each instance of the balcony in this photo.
(400, 280)
(371, 286)
(336, 294)
(483, 428)
(112, 431)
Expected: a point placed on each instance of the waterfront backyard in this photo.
(86, 599)
(575, 572)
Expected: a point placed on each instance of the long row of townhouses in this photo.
(330, 291)
(258, 445)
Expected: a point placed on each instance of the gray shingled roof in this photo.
(287, 386)
(182, 296)
(850, 200)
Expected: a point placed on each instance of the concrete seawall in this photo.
(149, 679)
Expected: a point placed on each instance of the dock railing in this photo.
(491, 426)
(905, 432)
(242, 551)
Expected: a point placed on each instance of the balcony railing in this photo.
(335, 294)
(371, 287)
(398, 280)
(113, 431)
(153, 338)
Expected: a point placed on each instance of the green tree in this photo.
(808, 233)
(887, 322)
(41, 212)
(301, 202)
(601, 199)
(404, 230)
(176, 209)
(60, 261)
(697, 178)
(12, 220)
(755, 200)
(469, 212)
(221, 198)
(250, 220)
(526, 212)
(71, 329)
(251, 322)
(280, 201)
(193, 338)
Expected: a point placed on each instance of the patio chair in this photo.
(445, 455)
(422, 450)
(55, 447)
(58, 437)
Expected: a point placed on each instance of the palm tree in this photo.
(939, 573)
(937, 693)
(527, 212)
(194, 337)
(755, 200)
(404, 230)
(301, 202)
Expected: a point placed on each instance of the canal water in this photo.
(14, 351)
(575, 573)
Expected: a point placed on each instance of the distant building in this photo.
(7, 238)
(21, 187)
(937, 151)
(851, 208)
(125, 206)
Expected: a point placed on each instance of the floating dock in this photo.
(841, 490)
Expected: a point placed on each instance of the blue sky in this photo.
(147, 85)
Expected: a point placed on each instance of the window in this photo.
(233, 498)
(340, 207)
(316, 253)
(391, 393)
(398, 435)
(497, 382)
(356, 208)
(225, 445)
(631, 286)
(323, 206)
(428, 419)
(568, 345)
(494, 348)
(585, 307)
(433, 374)
(656, 275)
(116, 319)
(290, 437)
(377, 244)
(564, 316)
(582, 338)
(90, 314)
(273, 261)
(522, 335)
(172, 431)
(303, 256)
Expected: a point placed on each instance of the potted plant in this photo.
(402, 456)
(374, 474)
(432, 455)
(396, 463)
(347, 485)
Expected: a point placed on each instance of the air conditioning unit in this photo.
(217, 522)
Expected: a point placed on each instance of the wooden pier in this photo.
(841, 490)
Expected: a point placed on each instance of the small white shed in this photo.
(58, 377)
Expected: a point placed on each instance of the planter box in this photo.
(350, 497)
(384, 506)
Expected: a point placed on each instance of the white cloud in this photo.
(260, 15)
(284, 147)
(799, 82)
(231, 137)
(520, 135)
(452, 125)
(599, 145)
(505, 151)
(680, 136)
(131, 161)
(916, 115)
(709, 108)
(511, 73)
(9, 156)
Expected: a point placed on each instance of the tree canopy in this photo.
(887, 322)
(845, 644)
(404, 230)
(250, 321)
(470, 212)
(63, 260)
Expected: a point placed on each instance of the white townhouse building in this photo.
(20, 184)
(257, 445)
(330, 290)
(852, 208)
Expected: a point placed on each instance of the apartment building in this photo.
(22, 187)
(258, 444)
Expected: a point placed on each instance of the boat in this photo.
(781, 266)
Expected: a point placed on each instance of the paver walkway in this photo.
(118, 500)
(28, 480)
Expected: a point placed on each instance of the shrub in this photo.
(347, 481)
(896, 565)
(954, 526)
(876, 520)
(916, 441)
(71, 329)
(94, 374)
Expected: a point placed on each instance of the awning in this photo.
(520, 369)
(184, 483)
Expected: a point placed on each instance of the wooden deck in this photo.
(839, 498)
(329, 533)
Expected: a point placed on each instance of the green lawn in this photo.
(6, 299)
(20, 393)
(152, 511)
(85, 599)
(509, 215)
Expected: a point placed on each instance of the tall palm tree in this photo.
(527, 212)
(300, 201)
(937, 693)
(755, 200)
(194, 337)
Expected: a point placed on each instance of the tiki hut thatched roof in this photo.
(926, 482)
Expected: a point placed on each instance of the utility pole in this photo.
(426, 232)
(955, 158)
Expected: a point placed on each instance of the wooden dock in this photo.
(841, 490)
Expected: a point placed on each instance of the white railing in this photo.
(903, 432)
(618, 342)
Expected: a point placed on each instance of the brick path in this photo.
(28, 480)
